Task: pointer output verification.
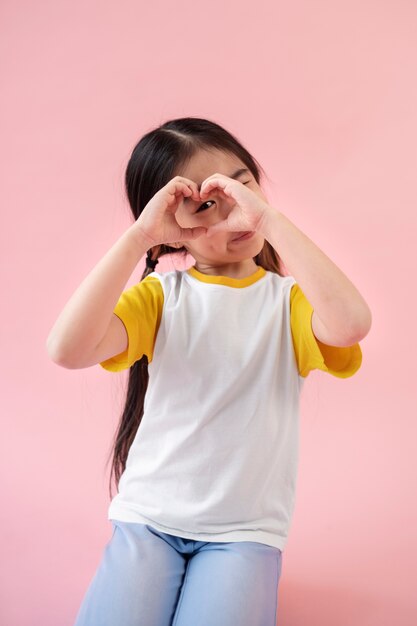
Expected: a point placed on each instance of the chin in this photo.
(257, 245)
(260, 246)
(250, 249)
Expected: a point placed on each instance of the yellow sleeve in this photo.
(309, 351)
(140, 309)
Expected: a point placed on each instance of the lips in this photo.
(243, 235)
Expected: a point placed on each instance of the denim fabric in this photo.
(150, 578)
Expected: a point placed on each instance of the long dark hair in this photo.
(155, 160)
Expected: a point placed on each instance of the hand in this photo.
(248, 209)
(157, 223)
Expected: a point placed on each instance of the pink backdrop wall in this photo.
(323, 93)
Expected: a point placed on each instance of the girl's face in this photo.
(217, 253)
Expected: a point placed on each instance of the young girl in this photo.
(205, 456)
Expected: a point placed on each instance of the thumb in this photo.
(216, 228)
(193, 233)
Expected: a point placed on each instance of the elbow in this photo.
(351, 329)
(362, 326)
(56, 353)
(51, 349)
(69, 359)
(54, 356)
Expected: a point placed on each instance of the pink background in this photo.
(323, 94)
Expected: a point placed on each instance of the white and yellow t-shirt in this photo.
(215, 456)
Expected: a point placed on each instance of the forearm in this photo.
(334, 298)
(83, 322)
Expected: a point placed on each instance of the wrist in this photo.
(269, 217)
(139, 236)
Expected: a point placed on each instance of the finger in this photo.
(178, 190)
(212, 183)
(217, 228)
(191, 185)
(196, 194)
(179, 183)
(193, 233)
(185, 190)
(195, 190)
(215, 192)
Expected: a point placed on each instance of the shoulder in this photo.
(148, 289)
(313, 354)
(283, 284)
(167, 280)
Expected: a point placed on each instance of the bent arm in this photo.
(83, 323)
(341, 316)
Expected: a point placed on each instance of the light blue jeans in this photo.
(150, 578)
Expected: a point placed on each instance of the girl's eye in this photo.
(204, 203)
(212, 201)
